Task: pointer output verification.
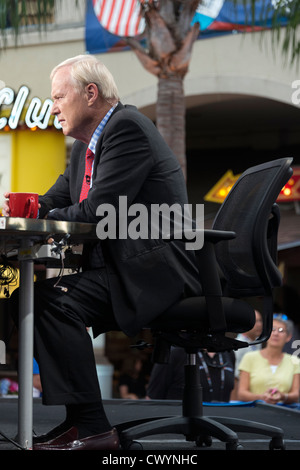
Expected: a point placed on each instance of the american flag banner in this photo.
(109, 21)
(120, 17)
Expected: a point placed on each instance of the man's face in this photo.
(69, 104)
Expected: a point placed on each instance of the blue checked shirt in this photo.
(97, 133)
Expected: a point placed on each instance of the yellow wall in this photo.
(38, 157)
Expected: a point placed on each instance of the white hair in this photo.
(87, 69)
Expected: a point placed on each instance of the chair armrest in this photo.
(215, 236)
(208, 271)
(210, 235)
(210, 278)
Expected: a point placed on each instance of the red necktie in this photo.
(89, 158)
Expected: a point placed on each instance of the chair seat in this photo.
(192, 311)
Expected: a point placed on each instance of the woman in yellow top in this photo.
(269, 374)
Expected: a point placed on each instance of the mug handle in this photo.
(29, 208)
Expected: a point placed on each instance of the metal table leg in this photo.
(26, 318)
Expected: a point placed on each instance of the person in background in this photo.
(37, 386)
(132, 382)
(270, 374)
(248, 337)
(216, 376)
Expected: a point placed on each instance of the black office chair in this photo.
(243, 245)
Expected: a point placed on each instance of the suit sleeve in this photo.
(125, 161)
(57, 196)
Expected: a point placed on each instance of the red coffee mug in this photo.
(24, 205)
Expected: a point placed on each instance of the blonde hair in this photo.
(87, 69)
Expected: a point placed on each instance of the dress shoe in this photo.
(70, 441)
(49, 436)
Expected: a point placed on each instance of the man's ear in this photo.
(92, 93)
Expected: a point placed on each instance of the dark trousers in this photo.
(62, 344)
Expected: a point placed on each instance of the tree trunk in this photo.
(170, 115)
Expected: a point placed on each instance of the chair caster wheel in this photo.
(277, 443)
(203, 441)
(131, 445)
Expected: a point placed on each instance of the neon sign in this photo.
(35, 114)
(289, 192)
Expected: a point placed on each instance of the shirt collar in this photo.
(99, 129)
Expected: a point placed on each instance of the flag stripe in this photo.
(118, 11)
(135, 19)
(111, 13)
(129, 19)
(120, 17)
(123, 19)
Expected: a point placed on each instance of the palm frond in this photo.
(15, 14)
(282, 18)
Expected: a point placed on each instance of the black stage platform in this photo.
(119, 411)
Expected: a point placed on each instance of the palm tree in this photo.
(167, 53)
(169, 41)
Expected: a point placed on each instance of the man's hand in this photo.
(5, 207)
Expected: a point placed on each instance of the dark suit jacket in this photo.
(146, 276)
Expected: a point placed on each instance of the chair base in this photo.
(200, 429)
(194, 426)
(194, 429)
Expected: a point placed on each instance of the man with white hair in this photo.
(125, 282)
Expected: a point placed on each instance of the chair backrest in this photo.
(248, 261)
